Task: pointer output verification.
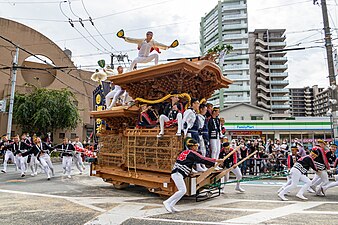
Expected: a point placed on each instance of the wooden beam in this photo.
(205, 174)
(222, 174)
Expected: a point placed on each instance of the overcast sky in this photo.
(176, 19)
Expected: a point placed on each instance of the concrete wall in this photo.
(37, 43)
(243, 112)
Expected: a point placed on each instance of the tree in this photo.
(45, 110)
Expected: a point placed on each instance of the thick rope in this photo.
(183, 95)
(284, 173)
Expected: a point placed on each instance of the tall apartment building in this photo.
(302, 101)
(227, 23)
(268, 71)
(321, 103)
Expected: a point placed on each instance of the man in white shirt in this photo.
(146, 46)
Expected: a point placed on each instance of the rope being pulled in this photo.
(283, 173)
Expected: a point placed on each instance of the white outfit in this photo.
(77, 158)
(21, 164)
(331, 184)
(144, 50)
(8, 155)
(67, 164)
(202, 148)
(164, 118)
(321, 178)
(182, 189)
(34, 164)
(46, 164)
(296, 176)
(78, 162)
(215, 146)
(238, 174)
(189, 117)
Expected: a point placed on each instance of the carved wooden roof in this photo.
(118, 116)
(199, 79)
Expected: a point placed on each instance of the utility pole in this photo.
(11, 100)
(332, 75)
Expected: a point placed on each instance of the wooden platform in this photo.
(199, 79)
(118, 117)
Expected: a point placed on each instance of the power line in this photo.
(97, 30)
(82, 24)
(129, 10)
(42, 60)
(279, 6)
(72, 25)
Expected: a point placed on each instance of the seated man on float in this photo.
(148, 117)
(172, 115)
(116, 92)
(145, 47)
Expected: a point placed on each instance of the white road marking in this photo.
(274, 213)
(182, 221)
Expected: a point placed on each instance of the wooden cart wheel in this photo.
(121, 186)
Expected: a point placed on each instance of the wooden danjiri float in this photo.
(130, 155)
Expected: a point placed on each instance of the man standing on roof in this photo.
(145, 47)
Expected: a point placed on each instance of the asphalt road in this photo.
(88, 200)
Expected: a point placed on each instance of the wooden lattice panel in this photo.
(151, 153)
(111, 149)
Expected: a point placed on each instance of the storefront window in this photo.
(319, 135)
(294, 136)
(285, 136)
(271, 136)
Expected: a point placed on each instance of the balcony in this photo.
(235, 16)
(284, 90)
(234, 26)
(272, 59)
(278, 59)
(238, 77)
(240, 46)
(236, 57)
(235, 67)
(226, 7)
(234, 88)
(234, 36)
(279, 74)
(266, 66)
(273, 44)
(280, 82)
(278, 66)
(280, 98)
(234, 99)
(280, 106)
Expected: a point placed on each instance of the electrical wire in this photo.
(97, 30)
(42, 60)
(83, 25)
(129, 10)
(72, 24)
(279, 6)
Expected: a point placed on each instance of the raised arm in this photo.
(133, 40)
(161, 46)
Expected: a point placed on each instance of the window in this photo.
(62, 135)
(256, 117)
(72, 135)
